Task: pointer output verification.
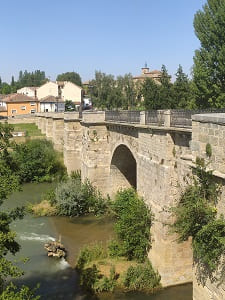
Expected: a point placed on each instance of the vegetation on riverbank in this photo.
(30, 129)
(196, 217)
(72, 198)
(100, 272)
(37, 161)
(9, 182)
(123, 263)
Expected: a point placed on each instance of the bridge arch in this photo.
(123, 169)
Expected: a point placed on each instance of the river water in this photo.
(58, 280)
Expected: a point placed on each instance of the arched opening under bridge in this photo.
(123, 169)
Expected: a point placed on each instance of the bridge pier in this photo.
(149, 158)
(95, 153)
(58, 131)
(43, 123)
(49, 126)
(72, 141)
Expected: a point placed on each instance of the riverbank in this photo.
(58, 280)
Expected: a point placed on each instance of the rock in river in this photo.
(55, 249)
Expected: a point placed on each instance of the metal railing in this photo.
(155, 117)
(125, 116)
(182, 118)
(169, 118)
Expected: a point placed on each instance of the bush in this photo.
(141, 277)
(209, 244)
(74, 198)
(38, 161)
(50, 196)
(196, 217)
(12, 292)
(90, 253)
(133, 222)
(105, 284)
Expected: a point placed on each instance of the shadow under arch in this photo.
(123, 169)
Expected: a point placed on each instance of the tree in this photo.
(36, 78)
(9, 182)
(150, 93)
(209, 60)
(5, 88)
(69, 105)
(165, 90)
(182, 90)
(70, 76)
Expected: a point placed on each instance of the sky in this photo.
(112, 36)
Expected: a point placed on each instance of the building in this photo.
(19, 104)
(30, 91)
(64, 90)
(52, 104)
(145, 73)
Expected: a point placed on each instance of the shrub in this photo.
(50, 196)
(209, 244)
(196, 217)
(133, 222)
(74, 198)
(105, 284)
(70, 199)
(141, 277)
(115, 248)
(192, 212)
(90, 253)
(38, 161)
(11, 292)
(89, 277)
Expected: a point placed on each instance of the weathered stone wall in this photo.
(58, 131)
(158, 182)
(72, 142)
(158, 170)
(210, 129)
(95, 151)
(110, 155)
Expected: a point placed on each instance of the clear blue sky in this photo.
(114, 36)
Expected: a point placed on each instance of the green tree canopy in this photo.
(36, 78)
(182, 95)
(150, 93)
(209, 60)
(70, 76)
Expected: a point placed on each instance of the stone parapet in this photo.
(93, 117)
(71, 116)
(210, 129)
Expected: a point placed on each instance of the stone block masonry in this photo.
(156, 161)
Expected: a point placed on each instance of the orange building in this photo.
(19, 104)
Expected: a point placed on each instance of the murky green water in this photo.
(58, 280)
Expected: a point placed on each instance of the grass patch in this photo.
(31, 129)
(44, 208)
(99, 272)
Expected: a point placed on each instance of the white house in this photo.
(52, 104)
(30, 91)
(65, 90)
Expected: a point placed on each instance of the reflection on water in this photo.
(56, 277)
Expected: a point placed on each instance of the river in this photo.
(58, 280)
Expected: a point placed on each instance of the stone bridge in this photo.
(153, 159)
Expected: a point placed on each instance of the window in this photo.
(32, 104)
(23, 107)
(32, 111)
(14, 111)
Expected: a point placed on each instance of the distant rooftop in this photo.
(18, 98)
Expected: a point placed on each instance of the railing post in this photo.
(167, 114)
(142, 118)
